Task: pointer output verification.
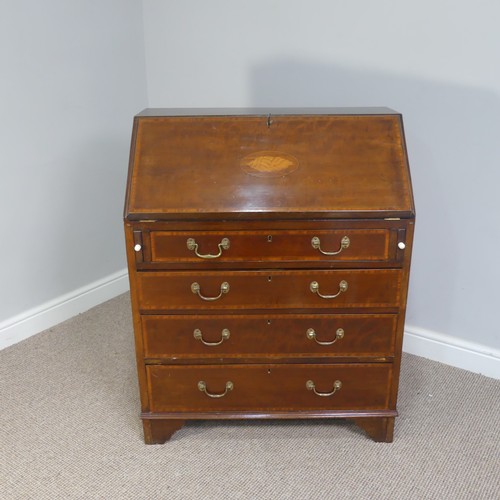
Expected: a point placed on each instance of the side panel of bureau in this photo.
(136, 316)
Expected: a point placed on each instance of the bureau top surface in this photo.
(268, 163)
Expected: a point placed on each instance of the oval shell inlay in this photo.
(269, 164)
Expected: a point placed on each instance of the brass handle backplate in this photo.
(337, 385)
(202, 386)
(314, 286)
(199, 336)
(224, 288)
(311, 335)
(223, 245)
(344, 243)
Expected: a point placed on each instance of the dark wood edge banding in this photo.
(298, 414)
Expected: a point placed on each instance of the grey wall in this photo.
(436, 61)
(72, 75)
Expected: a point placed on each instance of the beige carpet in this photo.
(70, 429)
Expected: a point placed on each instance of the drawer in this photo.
(221, 290)
(294, 334)
(349, 245)
(269, 387)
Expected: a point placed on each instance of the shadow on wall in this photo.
(454, 150)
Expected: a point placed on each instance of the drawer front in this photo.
(220, 290)
(269, 387)
(294, 334)
(273, 246)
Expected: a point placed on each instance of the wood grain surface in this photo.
(222, 210)
(172, 337)
(189, 167)
(273, 387)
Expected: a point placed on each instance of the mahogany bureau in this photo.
(269, 255)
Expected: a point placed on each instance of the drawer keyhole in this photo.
(269, 278)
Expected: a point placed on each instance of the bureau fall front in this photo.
(269, 254)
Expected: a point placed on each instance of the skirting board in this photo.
(66, 306)
(452, 351)
(419, 341)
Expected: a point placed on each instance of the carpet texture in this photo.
(70, 429)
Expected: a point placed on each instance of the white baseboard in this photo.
(452, 351)
(66, 306)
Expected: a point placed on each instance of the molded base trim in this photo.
(60, 309)
(452, 351)
(269, 414)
